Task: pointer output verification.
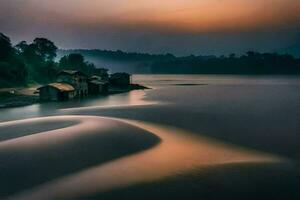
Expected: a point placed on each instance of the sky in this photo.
(181, 27)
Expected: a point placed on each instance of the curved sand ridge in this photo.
(30, 155)
(178, 152)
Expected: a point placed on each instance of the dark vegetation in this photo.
(35, 62)
(12, 68)
(120, 55)
(250, 63)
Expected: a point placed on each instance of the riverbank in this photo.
(18, 97)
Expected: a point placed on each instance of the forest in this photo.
(143, 63)
(34, 63)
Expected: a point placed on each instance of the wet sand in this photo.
(38, 157)
(160, 152)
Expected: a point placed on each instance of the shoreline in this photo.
(20, 97)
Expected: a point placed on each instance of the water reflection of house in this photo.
(75, 78)
(57, 92)
(120, 79)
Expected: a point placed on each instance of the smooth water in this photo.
(175, 86)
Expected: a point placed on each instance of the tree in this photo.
(41, 50)
(6, 50)
(12, 68)
(76, 62)
(39, 58)
(44, 48)
(21, 47)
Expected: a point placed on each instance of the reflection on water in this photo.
(136, 97)
(124, 99)
(132, 98)
(168, 80)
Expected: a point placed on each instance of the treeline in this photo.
(250, 63)
(35, 62)
(119, 55)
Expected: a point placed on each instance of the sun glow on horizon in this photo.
(173, 15)
(176, 26)
(169, 15)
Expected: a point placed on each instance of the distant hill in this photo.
(250, 63)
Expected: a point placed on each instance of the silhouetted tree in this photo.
(12, 69)
(6, 50)
(44, 48)
(38, 57)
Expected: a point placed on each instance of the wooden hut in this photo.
(75, 78)
(57, 92)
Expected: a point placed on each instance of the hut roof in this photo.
(63, 87)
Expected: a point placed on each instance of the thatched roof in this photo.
(63, 87)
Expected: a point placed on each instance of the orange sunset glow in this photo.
(188, 15)
(99, 23)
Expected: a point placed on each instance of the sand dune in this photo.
(178, 152)
(34, 158)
